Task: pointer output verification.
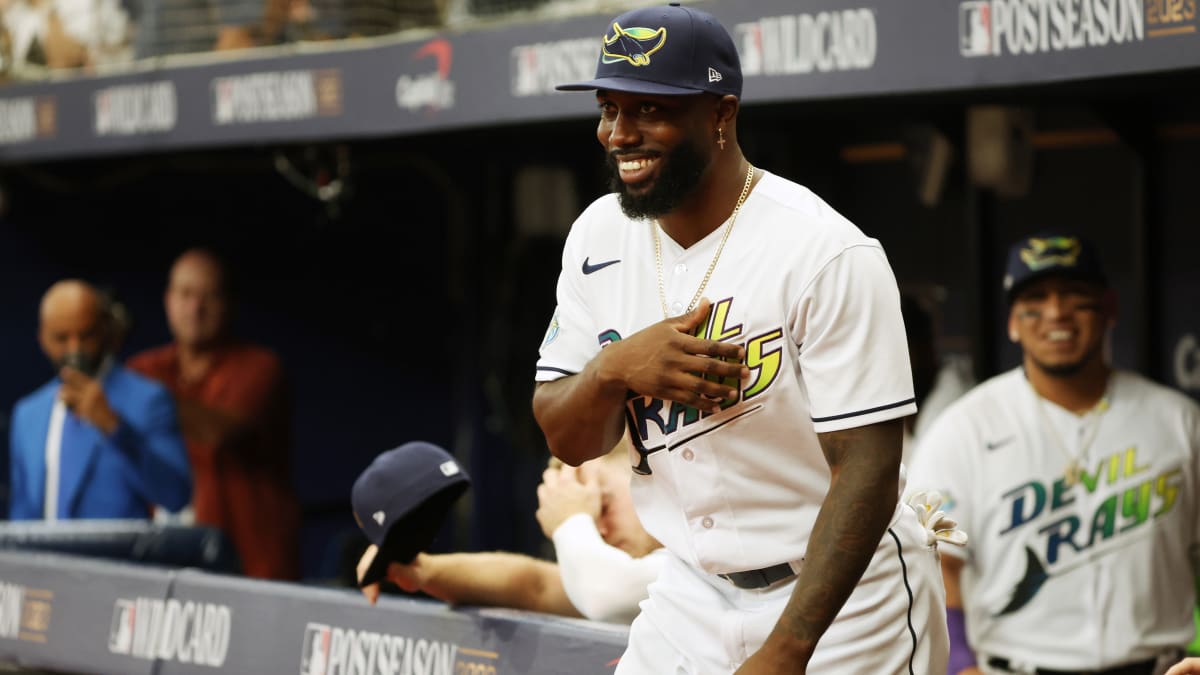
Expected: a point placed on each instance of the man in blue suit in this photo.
(98, 441)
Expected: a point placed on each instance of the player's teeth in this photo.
(1060, 335)
(634, 165)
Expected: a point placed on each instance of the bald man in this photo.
(97, 441)
(234, 409)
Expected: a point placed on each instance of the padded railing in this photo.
(73, 614)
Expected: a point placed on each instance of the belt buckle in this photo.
(759, 578)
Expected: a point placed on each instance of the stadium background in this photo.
(410, 301)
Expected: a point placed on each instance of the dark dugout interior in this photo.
(407, 282)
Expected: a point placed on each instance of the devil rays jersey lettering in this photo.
(1091, 552)
(651, 419)
(809, 296)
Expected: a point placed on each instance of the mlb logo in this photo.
(975, 28)
(315, 658)
(222, 101)
(120, 631)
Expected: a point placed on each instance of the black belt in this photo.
(1139, 668)
(752, 579)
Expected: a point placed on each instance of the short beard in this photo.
(1068, 369)
(679, 176)
(1062, 369)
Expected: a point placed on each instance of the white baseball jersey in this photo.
(815, 305)
(1065, 574)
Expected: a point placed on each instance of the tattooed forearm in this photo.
(865, 464)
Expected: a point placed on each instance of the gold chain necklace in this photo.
(662, 293)
(1074, 469)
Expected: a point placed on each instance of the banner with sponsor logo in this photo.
(74, 614)
(57, 612)
(507, 73)
(317, 631)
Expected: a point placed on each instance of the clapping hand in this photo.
(565, 492)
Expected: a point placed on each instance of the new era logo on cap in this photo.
(401, 500)
(713, 75)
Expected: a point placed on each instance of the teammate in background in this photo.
(234, 410)
(605, 558)
(767, 426)
(97, 441)
(1078, 484)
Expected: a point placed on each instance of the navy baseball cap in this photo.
(668, 50)
(1051, 254)
(401, 500)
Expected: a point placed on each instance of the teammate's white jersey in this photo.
(815, 304)
(1071, 577)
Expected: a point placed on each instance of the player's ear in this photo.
(1013, 334)
(725, 112)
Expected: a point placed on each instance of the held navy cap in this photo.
(1051, 254)
(401, 500)
(667, 50)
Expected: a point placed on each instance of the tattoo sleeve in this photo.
(865, 467)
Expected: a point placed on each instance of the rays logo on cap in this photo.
(633, 45)
(1051, 252)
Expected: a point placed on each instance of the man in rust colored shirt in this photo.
(234, 410)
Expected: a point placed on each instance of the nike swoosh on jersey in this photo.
(588, 269)
(992, 445)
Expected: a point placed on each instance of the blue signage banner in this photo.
(506, 74)
(81, 615)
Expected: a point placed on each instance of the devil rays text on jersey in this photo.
(652, 421)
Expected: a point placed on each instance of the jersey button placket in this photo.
(688, 455)
(675, 278)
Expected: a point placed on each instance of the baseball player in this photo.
(766, 424)
(1077, 483)
(605, 559)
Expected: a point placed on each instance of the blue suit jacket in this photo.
(143, 462)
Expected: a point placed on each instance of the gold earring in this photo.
(721, 137)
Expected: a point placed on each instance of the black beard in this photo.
(679, 175)
(1062, 369)
(1069, 369)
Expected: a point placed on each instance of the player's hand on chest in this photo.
(667, 361)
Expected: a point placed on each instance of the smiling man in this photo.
(767, 424)
(1077, 483)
